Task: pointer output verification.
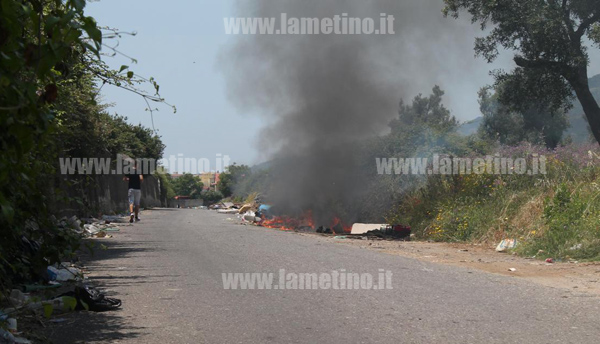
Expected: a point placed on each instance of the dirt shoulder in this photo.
(583, 277)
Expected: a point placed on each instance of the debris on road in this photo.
(63, 273)
(506, 245)
(227, 208)
(99, 229)
(550, 260)
(362, 228)
(60, 287)
(89, 298)
(228, 211)
(381, 230)
(247, 207)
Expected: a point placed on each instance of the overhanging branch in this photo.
(587, 23)
(559, 67)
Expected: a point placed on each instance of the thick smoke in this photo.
(323, 94)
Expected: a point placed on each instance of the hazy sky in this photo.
(178, 43)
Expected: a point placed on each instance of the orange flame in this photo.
(337, 222)
(287, 223)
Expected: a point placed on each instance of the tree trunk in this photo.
(588, 102)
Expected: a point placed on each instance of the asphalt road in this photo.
(168, 272)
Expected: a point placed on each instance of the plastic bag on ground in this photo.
(64, 274)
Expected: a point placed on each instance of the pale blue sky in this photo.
(178, 43)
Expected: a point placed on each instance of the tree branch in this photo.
(567, 19)
(559, 67)
(587, 23)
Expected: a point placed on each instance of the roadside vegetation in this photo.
(51, 73)
(551, 215)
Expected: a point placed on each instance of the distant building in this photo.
(210, 180)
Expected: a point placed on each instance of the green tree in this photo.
(426, 112)
(423, 126)
(537, 125)
(188, 185)
(225, 184)
(548, 40)
(233, 178)
(211, 196)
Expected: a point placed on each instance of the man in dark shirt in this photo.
(134, 193)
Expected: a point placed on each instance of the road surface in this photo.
(168, 272)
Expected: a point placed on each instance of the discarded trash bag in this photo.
(92, 298)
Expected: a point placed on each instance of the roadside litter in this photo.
(228, 211)
(250, 216)
(8, 338)
(576, 247)
(61, 287)
(99, 230)
(506, 245)
(91, 229)
(246, 207)
(91, 299)
(324, 230)
(227, 208)
(80, 297)
(362, 228)
(63, 273)
(384, 231)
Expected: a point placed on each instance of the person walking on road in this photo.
(134, 193)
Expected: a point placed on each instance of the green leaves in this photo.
(78, 4)
(8, 212)
(69, 302)
(90, 27)
(188, 185)
(594, 34)
(48, 310)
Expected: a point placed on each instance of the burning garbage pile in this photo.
(268, 216)
(265, 215)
